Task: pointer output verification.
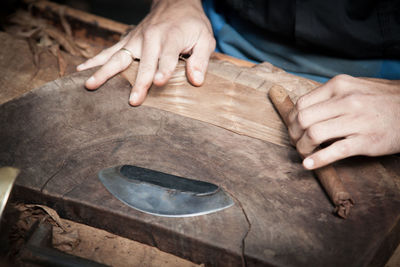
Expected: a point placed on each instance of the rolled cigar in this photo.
(327, 175)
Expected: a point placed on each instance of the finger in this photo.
(320, 94)
(338, 150)
(102, 57)
(339, 85)
(324, 131)
(316, 113)
(197, 63)
(147, 68)
(168, 60)
(117, 63)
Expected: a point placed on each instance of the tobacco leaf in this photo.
(64, 41)
(34, 50)
(62, 63)
(64, 23)
(24, 25)
(32, 208)
(54, 49)
(86, 50)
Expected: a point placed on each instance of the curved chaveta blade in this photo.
(163, 194)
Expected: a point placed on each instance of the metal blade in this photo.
(163, 194)
(7, 179)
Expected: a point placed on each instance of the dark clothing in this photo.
(351, 28)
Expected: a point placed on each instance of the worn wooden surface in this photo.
(289, 215)
(230, 102)
(61, 135)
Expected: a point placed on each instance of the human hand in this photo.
(359, 116)
(172, 27)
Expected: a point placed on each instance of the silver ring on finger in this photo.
(128, 52)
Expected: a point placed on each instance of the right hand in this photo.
(172, 27)
(357, 116)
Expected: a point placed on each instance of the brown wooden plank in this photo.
(89, 214)
(61, 135)
(229, 103)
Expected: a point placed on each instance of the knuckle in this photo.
(340, 83)
(175, 31)
(302, 119)
(212, 44)
(341, 78)
(301, 148)
(143, 85)
(292, 116)
(314, 134)
(322, 158)
(167, 72)
(343, 149)
(301, 103)
(354, 102)
(120, 59)
(167, 60)
(373, 140)
(210, 40)
(150, 32)
(169, 52)
(294, 134)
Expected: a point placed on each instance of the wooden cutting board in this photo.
(60, 135)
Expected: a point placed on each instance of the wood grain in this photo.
(61, 135)
(228, 103)
(281, 232)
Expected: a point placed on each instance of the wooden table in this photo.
(61, 135)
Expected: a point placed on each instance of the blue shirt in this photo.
(240, 39)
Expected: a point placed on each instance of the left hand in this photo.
(359, 116)
(171, 28)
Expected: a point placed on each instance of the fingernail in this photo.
(198, 76)
(133, 98)
(159, 76)
(90, 80)
(308, 163)
(80, 67)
